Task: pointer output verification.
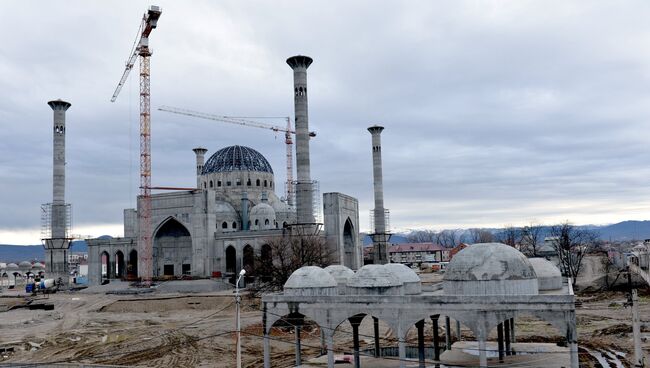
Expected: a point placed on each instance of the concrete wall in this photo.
(339, 208)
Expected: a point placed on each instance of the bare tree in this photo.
(480, 236)
(282, 255)
(448, 238)
(531, 236)
(422, 236)
(509, 235)
(572, 244)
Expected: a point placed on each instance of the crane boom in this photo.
(255, 124)
(225, 119)
(141, 49)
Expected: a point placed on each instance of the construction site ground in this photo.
(195, 330)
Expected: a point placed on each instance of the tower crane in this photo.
(141, 48)
(254, 124)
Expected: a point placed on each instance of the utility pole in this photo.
(238, 319)
(633, 301)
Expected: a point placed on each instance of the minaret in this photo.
(57, 245)
(304, 185)
(380, 237)
(200, 160)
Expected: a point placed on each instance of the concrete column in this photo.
(401, 345)
(267, 351)
(421, 358)
(330, 349)
(304, 187)
(244, 211)
(447, 333)
(200, 159)
(436, 339)
(512, 330)
(482, 353)
(506, 328)
(297, 345)
(458, 332)
(500, 341)
(572, 336)
(375, 322)
(355, 342)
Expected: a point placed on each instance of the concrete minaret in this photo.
(200, 160)
(380, 237)
(304, 186)
(57, 245)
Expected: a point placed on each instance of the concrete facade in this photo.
(341, 217)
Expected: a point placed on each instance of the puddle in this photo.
(607, 359)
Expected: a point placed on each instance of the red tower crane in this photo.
(141, 48)
(255, 124)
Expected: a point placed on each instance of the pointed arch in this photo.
(349, 259)
(172, 248)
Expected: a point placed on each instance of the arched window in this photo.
(284, 224)
(234, 225)
(271, 183)
(265, 183)
(211, 184)
(266, 222)
(218, 183)
(228, 183)
(224, 225)
(238, 182)
(248, 183)
(257, 182)
(257, 222)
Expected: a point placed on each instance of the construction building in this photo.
(222, 225)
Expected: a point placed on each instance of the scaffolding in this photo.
(386, 221)
(317, 210)
(46, 219)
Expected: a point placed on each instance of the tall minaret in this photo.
(57, 245)
(380, 237)
(200, 160)
(304, 185)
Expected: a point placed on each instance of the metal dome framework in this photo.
(236, 158)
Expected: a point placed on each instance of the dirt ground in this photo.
(195, 330)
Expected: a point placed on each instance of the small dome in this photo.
(490, 269)
(340, 273)
(408, 277)
(3, 265)
(549, 276)
(310, 280)
(38, 265)
(374, 279)
(25, 264)
(236, 158)
(262, 217)
(12, 266)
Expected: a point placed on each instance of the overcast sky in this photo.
(496, 112)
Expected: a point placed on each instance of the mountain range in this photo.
(622, 231)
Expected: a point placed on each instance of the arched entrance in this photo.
(172, 254)
(119, 264)
(105, 265)
(231, 259)
(249, 262)
(266, 263)
(132, 265)
(348, 244)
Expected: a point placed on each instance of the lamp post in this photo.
(238, 321)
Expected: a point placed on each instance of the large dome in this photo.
(236, 158)
(490, 269)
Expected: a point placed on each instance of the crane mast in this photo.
(255, 124)
(141, 49)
